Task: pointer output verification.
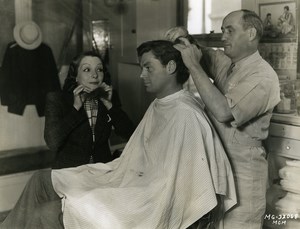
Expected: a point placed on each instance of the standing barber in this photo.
(240, 102)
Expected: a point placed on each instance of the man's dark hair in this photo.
(164, 51)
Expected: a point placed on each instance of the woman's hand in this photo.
(107, 101)
(79, 97)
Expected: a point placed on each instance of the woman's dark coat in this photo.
(68, 133)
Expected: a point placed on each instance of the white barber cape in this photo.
(167, 176)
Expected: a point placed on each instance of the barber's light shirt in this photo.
(252, 91)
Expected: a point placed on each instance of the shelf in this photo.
(290, 119)
(284, 140)
(25, 159)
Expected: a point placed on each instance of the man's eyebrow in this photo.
(227, 27)
(146, 63)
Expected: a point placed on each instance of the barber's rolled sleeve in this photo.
(214, 62)
(250, 99)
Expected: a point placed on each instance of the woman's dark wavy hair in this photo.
(164, 51)
(70, 81)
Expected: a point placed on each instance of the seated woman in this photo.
(78, 121)
(286, 22)
(267, 23)
(169, 175)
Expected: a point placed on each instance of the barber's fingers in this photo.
(185, 41)
(187, 48)
(173, 36)
(184, 46)
(191, 55)
(180, 47)
(173, 33)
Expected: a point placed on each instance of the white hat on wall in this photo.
(28, 35)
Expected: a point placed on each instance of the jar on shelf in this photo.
(288, 103)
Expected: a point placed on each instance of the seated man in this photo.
(168, 176)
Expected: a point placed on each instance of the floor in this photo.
(4, 214)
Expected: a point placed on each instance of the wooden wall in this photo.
(133, 22)
(55, 19)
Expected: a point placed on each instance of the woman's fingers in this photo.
(77, 97)
(109, 89)
(78, 90)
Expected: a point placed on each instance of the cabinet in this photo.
(144, 20)
(283, 147)
(283, 143)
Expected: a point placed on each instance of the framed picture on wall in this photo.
(279, 19)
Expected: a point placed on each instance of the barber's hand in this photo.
(107, 101)
(175, 32)
(190, 53)
(79, 96)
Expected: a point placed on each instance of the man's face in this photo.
(235, 38)
(154, 75)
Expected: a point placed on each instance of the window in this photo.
(204, 16)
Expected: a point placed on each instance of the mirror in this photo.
(205, 16)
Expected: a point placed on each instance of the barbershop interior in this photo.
(41, 38)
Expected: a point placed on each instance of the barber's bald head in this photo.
(249, 19)
(242, 30)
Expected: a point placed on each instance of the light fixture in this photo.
(101, 37)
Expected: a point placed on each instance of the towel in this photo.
(167, 176)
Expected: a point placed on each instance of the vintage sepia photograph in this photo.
(149, 114)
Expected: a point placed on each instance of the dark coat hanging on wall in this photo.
(26, 77)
